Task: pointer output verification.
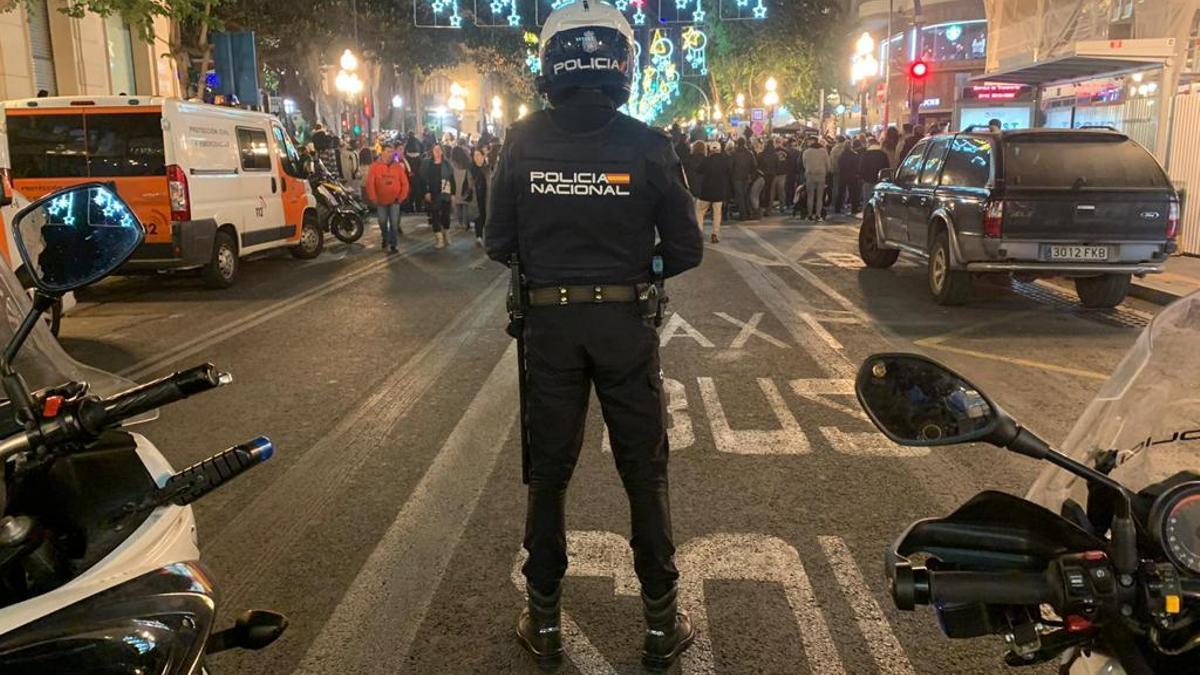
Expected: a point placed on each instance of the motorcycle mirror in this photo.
(74, 237)
(917, 401)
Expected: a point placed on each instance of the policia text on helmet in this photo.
(585, 198)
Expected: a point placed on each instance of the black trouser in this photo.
(439, 213)
(741, 197)
(481, 219)
(568, 350)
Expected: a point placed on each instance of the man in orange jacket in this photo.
(387, 188)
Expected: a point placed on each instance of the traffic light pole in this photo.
(914, 106)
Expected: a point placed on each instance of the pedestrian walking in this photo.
(386, 188)
(716, 181)
(768, 163)
(413, 152)
(460, 163)
(477, 179)
(792, 160)
(849, 180)
(816, 173)
(891, 146)
(873, 160)
(440, 189)
(697, 152)
(589, 321)
(841, 144)
(744, 172)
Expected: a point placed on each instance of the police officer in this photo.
(579, 195)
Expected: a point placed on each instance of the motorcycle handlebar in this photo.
(144, 398)
(1001, 588)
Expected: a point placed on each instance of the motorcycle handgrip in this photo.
(156, 394)
(203, 477)
(992, 588)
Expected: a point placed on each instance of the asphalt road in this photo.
(388, 526)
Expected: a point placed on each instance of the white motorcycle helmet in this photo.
(587, 44)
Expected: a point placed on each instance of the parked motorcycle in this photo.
(1098, 568)
(99, 565)
(340, 212)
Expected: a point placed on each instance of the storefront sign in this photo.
(997, 92)
(931, 103)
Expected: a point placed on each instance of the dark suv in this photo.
(1089, 204)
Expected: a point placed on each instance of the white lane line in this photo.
(265, 531)
(373, 627)
(807, 275)
(750, 329)
(820, 331)
(241, 324)
(789, 439)
(889, 655)
(757, 259)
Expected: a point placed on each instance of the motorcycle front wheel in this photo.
(347, 227)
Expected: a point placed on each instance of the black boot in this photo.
(538, 626)
(669, 631)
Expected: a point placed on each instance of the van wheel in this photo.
(312, 240)
(222, 271)
(948, 286)
(1104, 291)
(868, 245)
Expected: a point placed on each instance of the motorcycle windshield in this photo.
(1148, 410)
(42, 361)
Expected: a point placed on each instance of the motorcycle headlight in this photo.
(156, 624)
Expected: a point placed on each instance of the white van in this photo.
(211, 184)
(11, 203)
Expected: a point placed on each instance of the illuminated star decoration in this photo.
(698, 12)
(760, 10)
(439, 6)
(111, 208)
(658, 82)
(695, 45)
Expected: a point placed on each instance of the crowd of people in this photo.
(447, 180)
(802, 174)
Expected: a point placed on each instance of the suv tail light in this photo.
(1173, 219)
(993, 219)
(177, 187)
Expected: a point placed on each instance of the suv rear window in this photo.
(1090, 162)
(75, 145)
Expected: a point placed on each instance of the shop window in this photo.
(41, 47)
(120, 55)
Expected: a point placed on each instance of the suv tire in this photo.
(1104, 291)
(868, 245)
(948, 286)
(222, 270)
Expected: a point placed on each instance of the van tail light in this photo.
(177, 187)
(6, 188)
(993, 219)
(1173, 219)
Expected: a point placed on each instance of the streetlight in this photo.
(349, 61)
(770, 100)
(397, 101)
(497, 110)
(522, 110)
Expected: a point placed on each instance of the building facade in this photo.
(45, 50)
(949, 36)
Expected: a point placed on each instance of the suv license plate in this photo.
(1095, 253)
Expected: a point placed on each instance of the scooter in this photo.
(1098, 567)
(339, 211)
(99, 563)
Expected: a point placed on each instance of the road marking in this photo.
(241, 324)
(890, 656)
(374, 625)
(677, 326)
(756, 259)
(807, 275)
(750, 329)
(820, 331)
(679, 434)
(749, 557)
(789, 439)
(752, 557)
(279, 516)
(937, 342)
(787, 304)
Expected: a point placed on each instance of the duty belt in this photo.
(577, 295)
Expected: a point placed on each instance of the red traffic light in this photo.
(918, 70)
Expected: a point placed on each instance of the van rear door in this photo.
(1083, 187)
(53, 148)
